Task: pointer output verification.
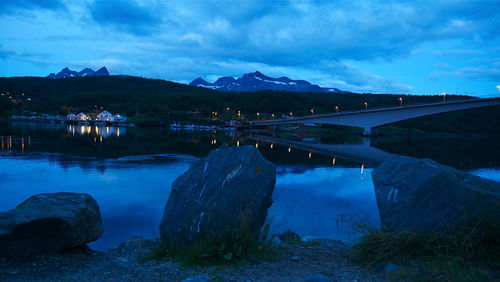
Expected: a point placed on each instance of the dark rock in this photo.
(226, 191)
(135, 248)
(317, 278)
(423, 195)
(289, 236)
(48, 224)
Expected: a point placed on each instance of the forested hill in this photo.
(141, 96)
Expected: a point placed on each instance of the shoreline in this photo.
(324, 258)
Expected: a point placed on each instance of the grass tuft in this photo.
(235, 247)
(469, 252)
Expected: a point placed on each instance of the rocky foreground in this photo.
(318, 260)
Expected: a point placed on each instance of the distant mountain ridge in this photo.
(256, 81)
(66, 73)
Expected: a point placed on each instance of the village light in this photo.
(291, 114)
(312, 111)
(498, 87)
(337, 109)
(239, 113)
(401, 101)
(272, 115)
(258, 115)
(366, 106)
(444, 96)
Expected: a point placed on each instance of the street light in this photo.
(444, 96)
(312, 111)
(401, 101)
(272, 115)
(498, 87)
(337, 109)
(291, 114)
(366, 106)
(258, 115)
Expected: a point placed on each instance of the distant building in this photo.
(104, 116)
(82, 117)
(119, 118)
(71, 117)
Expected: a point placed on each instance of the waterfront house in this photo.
(82, 117)
(119, 118)
(71, 117)
(104, 116)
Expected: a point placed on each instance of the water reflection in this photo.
(129, 170)
(94, 130)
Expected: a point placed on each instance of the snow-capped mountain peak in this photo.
(66, 73)
(256, 81)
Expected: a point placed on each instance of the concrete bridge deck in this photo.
(371, 118)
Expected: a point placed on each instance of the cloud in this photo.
(10, 6)
(125, 15)
(322, 41)
(6, 54)
(491, 73)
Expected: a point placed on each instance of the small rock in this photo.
(296, 258)
(391, 268)
(120, 263)
(198, 278)
(289, 236)
(317, 278)
(276, 242)
(308, 239)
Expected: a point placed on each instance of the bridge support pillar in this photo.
(370, 131)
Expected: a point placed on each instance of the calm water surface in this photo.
(323, 187)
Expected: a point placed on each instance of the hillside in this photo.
(165, 101)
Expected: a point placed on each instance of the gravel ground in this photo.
(324, 258)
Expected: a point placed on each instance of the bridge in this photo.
(371, 118)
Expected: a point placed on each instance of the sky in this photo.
(414, 47)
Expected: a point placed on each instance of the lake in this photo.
(323, 187)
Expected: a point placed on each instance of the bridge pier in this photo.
(370, 131)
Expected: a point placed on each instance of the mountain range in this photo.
(256, 81)
(66, 73)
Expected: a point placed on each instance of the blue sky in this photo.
(416, 47)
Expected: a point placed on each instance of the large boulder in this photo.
(49, 223)
(423, 195)
(226, 191)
